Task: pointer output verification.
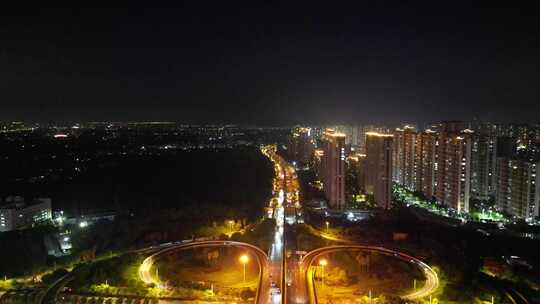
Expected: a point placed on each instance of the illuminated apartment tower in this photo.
(453, 170)
(379, 168)
(518, 187)
(361, 134)
(333, 168)
(483, 160)
(357, 162)
(300, 146)
(425, 162)
(404, 157)
(350, 131)
(397, 160)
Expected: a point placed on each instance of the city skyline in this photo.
(270, 153)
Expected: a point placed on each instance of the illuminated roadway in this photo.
(285, 189)
(431, 284)
(264, 285)
(278, 214)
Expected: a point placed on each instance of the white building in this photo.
(16, 214)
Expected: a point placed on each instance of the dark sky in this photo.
(271, 64)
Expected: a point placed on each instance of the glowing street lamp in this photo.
(323, 263)
(327, 226)
(244, 259)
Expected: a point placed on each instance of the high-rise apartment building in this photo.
(379, 168)
(483, 161)
(518, 187)
(300, 145)
(357, 162)
(404, 157)
(333, 167)
(453, 170)
(350, 131)
(426, 162)
(397, 158)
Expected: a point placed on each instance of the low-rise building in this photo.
(15, 213)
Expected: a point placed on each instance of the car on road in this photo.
(274, 290)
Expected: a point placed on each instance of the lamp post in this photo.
(323, 263)
(244, 259)
(327, 226)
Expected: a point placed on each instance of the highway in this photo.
(286, 189)
(295, 288)
(432, 280)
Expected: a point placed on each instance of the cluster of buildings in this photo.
(15, 213)
(331, 149)
(452, 163)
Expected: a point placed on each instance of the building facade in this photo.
(453, 170)
(378, 163)
(518, 187)
(16, 214)
(333, 168)
(484, 157)
(404, 157)
(426, 162)
(300, 146)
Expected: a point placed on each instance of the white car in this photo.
(274, 290)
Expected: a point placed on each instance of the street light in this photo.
(323, 263)
(244, 259)
(327, 226)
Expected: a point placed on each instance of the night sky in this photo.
(271, 64)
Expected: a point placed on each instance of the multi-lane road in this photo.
(285, 198)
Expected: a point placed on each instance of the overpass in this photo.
(263, 290)
(432, 280)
